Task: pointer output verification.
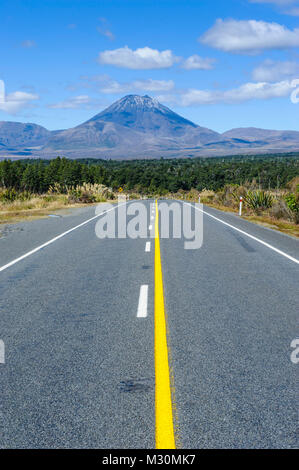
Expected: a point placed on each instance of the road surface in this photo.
(77, 318)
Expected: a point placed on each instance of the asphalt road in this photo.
(79, 366)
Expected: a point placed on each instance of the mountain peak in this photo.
(144, 114)
(137, 102)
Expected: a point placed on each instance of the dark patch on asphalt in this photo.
(25, 272)
(136, 385)
(242, 242)
(145, 266)
(8, 229)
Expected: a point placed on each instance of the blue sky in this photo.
(222, 64)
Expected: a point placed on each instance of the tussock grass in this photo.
(35, 207)
(280, 225)
(16, 207)
(274, 209)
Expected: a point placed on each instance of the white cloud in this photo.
(14, 102)
(276, 2)
(107, 33)
(28, 43)
(110, 86)
(249, 36)
(104, 29)
(141, 59)
(271, 71)
(152, 85)
(246, 92)
(293, 11)
(293, 5)
(195, 62)
(72, 103)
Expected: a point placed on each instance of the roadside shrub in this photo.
(56, 188)
(258, 200)
(89, 193)
(229, 195)
(77, 195)
(50, 197)
(110, 195)
(134, 196)
(11, 195)
(192, 195)
(25, 196)
(293, 185)
(280, 210)
(8, 195)
(206, 196)
(292, 201)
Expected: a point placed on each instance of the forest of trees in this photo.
(148, 176)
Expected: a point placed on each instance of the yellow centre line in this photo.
(163, 405)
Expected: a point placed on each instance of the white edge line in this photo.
(282, 253)
(148, 246)
(142, 304)
(11, 263)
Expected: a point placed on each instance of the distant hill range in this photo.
(139, 127)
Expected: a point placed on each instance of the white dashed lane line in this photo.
(142, 304)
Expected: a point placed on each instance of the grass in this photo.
(227, 200)
(280, 225)
(17, 207)
(39, 206)
(264, 219)
(34, 208)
